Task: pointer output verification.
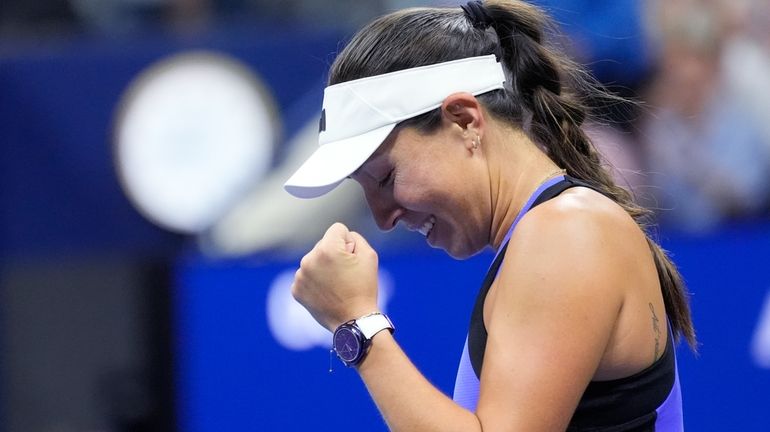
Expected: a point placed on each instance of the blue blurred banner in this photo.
(235, 371)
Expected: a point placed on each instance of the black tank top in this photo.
(621, 405)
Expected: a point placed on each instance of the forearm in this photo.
(407, 401)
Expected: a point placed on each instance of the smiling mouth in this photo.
(427, 227)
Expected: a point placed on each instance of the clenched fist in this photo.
(337, 280)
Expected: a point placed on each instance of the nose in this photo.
(385, 210)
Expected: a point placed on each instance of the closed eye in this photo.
(385, 181)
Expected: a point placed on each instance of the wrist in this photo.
(353, 339)
(351, 314)
(377, 344)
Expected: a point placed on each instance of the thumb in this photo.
(337, 235)
(350, 242)
(360, 245)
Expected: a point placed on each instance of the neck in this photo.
(517, 168)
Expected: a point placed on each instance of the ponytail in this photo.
(545, 97)
(557, 114)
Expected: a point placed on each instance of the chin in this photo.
(458, 247)
(461, 252)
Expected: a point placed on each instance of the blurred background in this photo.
(147, 247)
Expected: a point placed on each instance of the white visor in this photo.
(359, 115)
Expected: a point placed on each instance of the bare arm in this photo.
(407, 401)
(549, 317)
(337, 281)
(551, 313)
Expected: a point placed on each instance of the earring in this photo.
(476, 142)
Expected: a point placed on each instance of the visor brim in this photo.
(332, 162)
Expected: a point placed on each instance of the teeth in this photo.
(425, 229)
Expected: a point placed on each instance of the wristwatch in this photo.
(353, 339)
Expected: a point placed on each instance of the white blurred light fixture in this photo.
(193, 134)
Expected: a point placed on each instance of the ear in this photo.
(464, 110)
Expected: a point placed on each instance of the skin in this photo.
(576, 299)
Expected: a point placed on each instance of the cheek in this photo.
(418, 192)
(433, 185)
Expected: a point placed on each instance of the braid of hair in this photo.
(548, 86)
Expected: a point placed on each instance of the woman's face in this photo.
(434, 184)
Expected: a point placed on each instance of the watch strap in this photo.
(374, 323)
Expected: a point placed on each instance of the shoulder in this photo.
(578, 247)
(579, 225)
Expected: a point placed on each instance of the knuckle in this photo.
(323, 255)
(372, 254)
(299, 282)
(317, 244)
(298, 294)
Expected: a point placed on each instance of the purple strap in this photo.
(466, 392)
(528, 205)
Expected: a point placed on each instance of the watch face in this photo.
(346, 344)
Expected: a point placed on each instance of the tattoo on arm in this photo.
(656, 330)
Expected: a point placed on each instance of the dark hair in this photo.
(546, 96)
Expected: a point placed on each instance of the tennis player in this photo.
(465, 126)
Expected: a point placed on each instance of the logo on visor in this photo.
(322, 122)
